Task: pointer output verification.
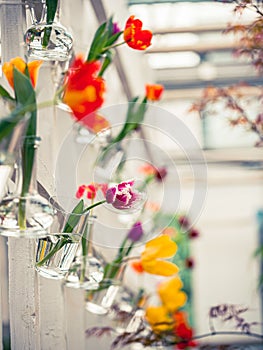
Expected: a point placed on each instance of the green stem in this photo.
(83, 269)
(112, 46)
(22, 213)
(94, 205)
(86, 247)
(51, 12)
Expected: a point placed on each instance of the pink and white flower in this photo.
(122, 196)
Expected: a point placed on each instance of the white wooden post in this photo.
(1, 322)
(21, 252)
(12, 18)
(51, 315)
(22, 295)
(74, 304)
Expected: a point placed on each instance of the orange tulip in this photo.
(154, 92)
(155, 250)
(20, 64)
(134, 36)
(84, 90)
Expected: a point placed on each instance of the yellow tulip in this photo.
(155, 250)
(158, 318)
(171, 294)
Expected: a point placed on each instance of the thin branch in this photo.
(206, 335)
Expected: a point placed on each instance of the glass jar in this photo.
(46, 39)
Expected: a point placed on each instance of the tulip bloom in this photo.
(154, 92)
(171, 295)
(135, 232)
(84, 90)
(158, 318)
(20, 64)
(89, 189)
(159, 248)
(134, 36)
(122, 196)
(183, 331)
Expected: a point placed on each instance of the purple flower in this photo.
(122, 196)
(135, 232)
(115, 28)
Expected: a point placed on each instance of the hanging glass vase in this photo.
(87, 270)
(109, 290)
(56, 252)
(9, 145)
(28, 215)
(46, 39)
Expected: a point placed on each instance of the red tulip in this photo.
(134, 36)
(84, 90)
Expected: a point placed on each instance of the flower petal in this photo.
(84, 90)
(171, 295)
(20, 64)
(137, 266)
(158, 318)
(159, 267)
(135, 232)
(159, 247)
(33, 69)
(154, 91)
(111, 194)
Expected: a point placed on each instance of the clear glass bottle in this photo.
(46, 41)
(28, 215)
(87, 270)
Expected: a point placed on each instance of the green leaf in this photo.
(24, 91)
(5, 94)
(74, 217)
(97, 43)
(135, 116)
(9, 122)
(25, 96)
(113, 38)
(59, 245)
(51, 12)
(107, 61)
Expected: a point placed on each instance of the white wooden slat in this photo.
(75, 318)
(24, 324)
(12, 18)
(1, 322)
(51, 315)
